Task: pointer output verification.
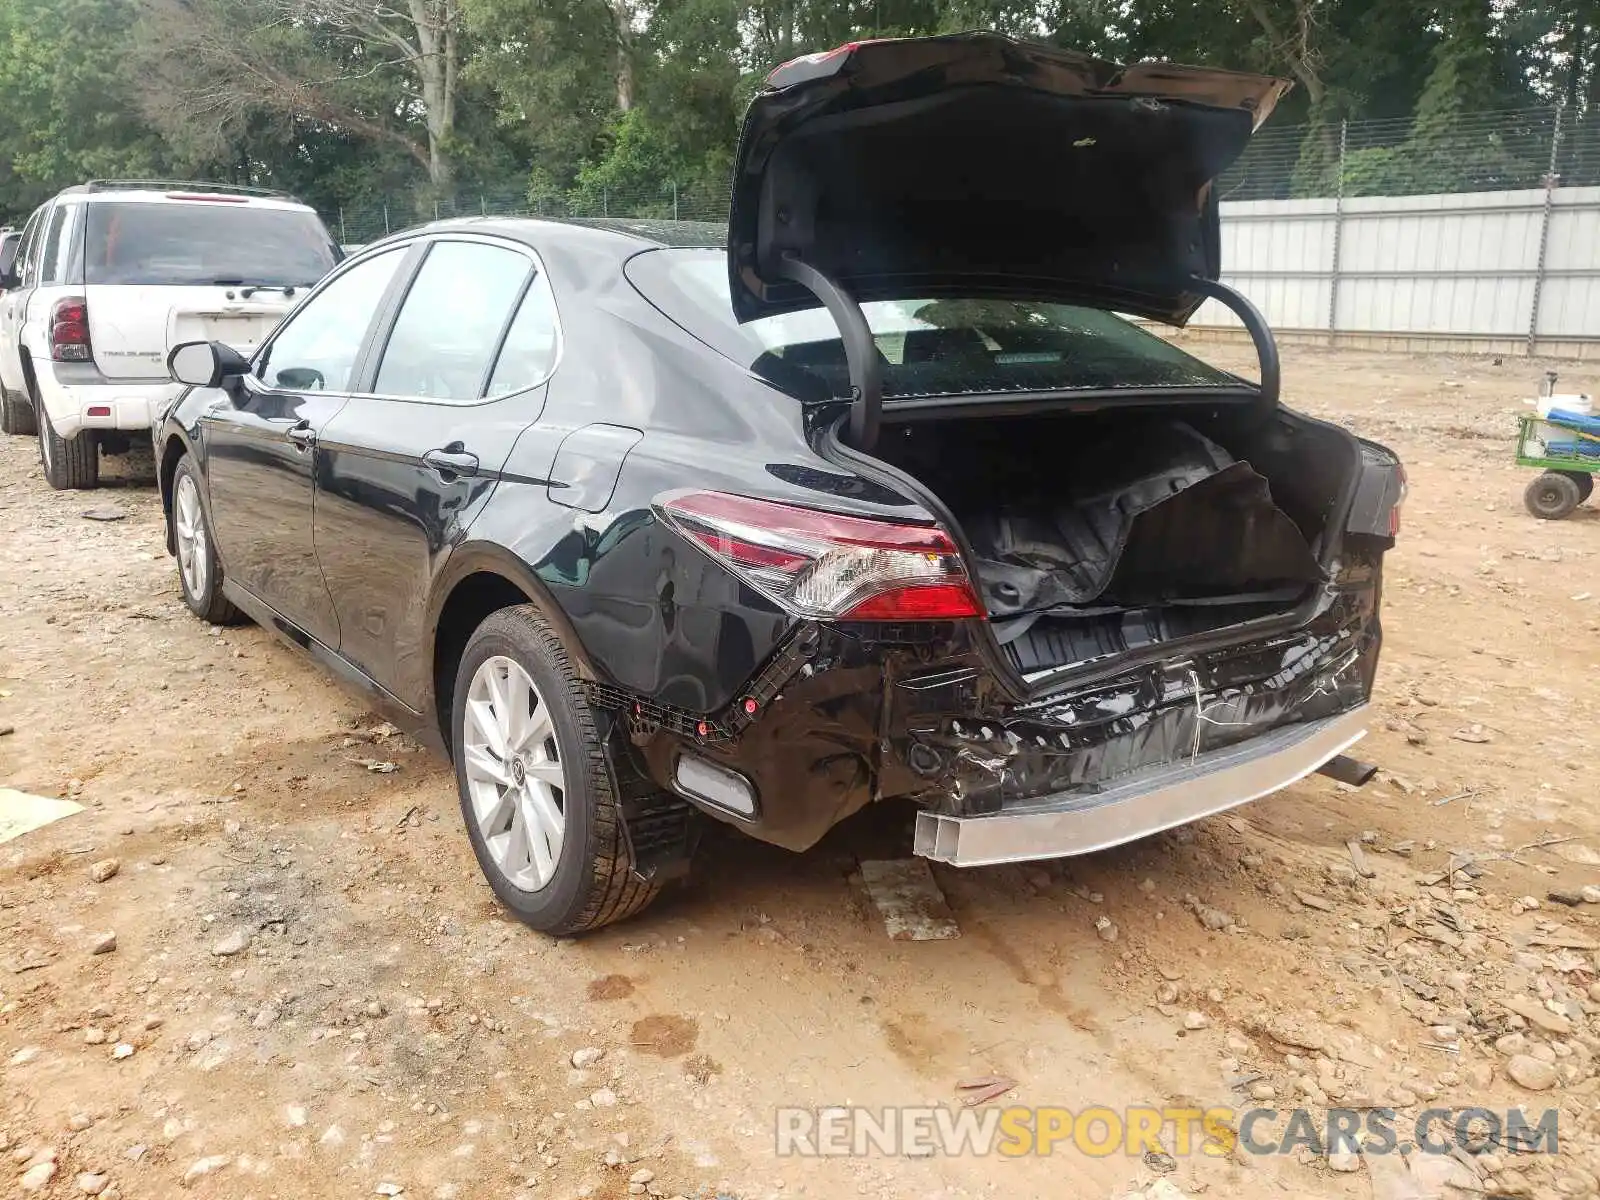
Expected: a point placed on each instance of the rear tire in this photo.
(199, 569)
(16, 414)
(519, 724)
(1552, 496)
(69, 463)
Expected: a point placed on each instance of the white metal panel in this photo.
(1433, 264)
(1570, 307)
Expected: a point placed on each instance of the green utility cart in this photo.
(1566, 447)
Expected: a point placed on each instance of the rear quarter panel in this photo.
(654, 615)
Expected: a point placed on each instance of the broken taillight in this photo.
(828, 565)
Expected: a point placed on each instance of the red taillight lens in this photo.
(820, 564)
(69, 330)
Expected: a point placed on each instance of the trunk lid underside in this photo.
(975, 165)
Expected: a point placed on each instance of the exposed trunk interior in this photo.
(1096, 534)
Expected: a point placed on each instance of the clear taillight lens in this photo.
(826, 565)
(1394, 513)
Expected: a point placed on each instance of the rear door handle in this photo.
(302, 436)
(452, 461)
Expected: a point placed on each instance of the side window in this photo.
(317, 350)
(57, 245)
(530, 347)
(27, 256)
(451, 322)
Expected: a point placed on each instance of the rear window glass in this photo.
(929, 347)
(199, 242)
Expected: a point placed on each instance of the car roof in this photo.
(625, 234)
(158, 191)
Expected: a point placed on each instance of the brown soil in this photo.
(389, 1024)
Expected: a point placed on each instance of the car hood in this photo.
(974, 165)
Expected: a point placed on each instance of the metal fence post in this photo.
(344, 238)
(1338, 235)
(674, 199)
(483, 203)
(1551, 182)
(605, 202)
(385, 216)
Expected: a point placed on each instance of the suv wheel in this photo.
(199, 571)
(537, 793)
(16, 414)
(72, 462)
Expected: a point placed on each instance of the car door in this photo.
(403, 470)
(260, 441)
(14, 308)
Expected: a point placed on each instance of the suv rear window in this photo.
(930, 347)
(195, 242)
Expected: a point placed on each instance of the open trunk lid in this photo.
(974, 165)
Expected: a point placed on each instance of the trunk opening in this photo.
(1095, 535)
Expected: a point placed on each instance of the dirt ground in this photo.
(388, 1030)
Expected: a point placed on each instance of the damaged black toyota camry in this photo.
(878, 493)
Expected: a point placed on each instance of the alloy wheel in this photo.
(515, 780)
(190, 526)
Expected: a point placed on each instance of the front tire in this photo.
(537, 793)
(70, 464)
(16, 414)
(199, 569)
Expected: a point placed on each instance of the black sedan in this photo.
(870, 495)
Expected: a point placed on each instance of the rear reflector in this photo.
(828, 565)
(99, 410)
(716, 785)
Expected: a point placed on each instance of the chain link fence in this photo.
(1489, 151)
(1476, 152)
(358, 223)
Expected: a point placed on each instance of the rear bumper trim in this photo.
(1142, 804)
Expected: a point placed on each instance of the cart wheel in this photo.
(1585, 483)
(1552, 496)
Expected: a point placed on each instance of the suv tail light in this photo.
(820, 564)
(1394, 513)
(69, 330)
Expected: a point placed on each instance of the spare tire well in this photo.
(472, 600)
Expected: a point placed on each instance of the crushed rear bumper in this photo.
(1141, 804)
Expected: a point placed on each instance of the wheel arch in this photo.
(173, 448)
(481, 579)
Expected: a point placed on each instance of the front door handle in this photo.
(452, 461)
(303, 436)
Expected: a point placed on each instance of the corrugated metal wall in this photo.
(1501, 271)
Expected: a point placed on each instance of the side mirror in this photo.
(205, 364)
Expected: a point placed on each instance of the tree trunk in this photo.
(435, 22)
(622, 24)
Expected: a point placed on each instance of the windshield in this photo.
(928, 347)
(205, 242)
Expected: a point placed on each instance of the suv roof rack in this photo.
(187, 185)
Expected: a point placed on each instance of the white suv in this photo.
(109, 275)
